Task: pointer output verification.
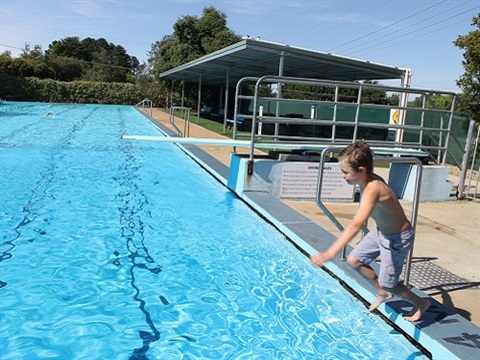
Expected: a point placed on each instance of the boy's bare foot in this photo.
(417, 311)
(380, 299)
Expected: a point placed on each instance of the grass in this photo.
(215, 126)
(211, 125)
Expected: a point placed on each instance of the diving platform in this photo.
(270, 145)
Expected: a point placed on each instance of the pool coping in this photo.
(442, 332)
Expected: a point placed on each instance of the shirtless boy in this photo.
(391, 238)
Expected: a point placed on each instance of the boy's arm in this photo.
(368, 201)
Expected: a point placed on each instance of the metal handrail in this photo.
(146, 103)
(185, 113)
(415, 202)
(238, 96)
(472, 191)
(440, 142)
(320, 204)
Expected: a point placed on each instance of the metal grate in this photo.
(431, 278)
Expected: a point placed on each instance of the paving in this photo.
(446, 256)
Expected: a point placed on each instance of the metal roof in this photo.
(257, 58)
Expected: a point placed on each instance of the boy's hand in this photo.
(320, 259)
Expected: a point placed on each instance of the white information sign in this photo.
(300, 179)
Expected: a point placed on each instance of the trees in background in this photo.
(192, 38)
(30, 63)
(72, 59)
(71, 70)
(98, 60)
(469, 82)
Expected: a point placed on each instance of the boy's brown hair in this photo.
(356, 155)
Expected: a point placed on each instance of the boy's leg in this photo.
(366, 251)
(393, 252)
(420, 305)
(368, 273)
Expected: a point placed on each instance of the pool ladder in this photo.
(146, 103)
(184, 114)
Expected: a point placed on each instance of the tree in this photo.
(469, 82)
(70, 47)
(35, 53)
(25, 66)
(101, 60)
(439, 101)
(192, 38)
(66, 69)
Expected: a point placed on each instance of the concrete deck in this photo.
(447, 250)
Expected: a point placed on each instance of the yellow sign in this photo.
(395, 117)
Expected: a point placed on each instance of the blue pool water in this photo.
(114, 249)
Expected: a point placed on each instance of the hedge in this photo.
(16, 88)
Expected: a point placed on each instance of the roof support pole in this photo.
(171, 94)
(225, 108)
(406, 79)
(183, 91)
(199, 102)
(279, 90)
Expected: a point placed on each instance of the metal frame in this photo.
(439, 150)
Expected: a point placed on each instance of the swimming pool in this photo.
(120, 249)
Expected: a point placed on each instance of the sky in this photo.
(414, 34)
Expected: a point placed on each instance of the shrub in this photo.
(17, 88)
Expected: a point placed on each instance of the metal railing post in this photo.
(185, 111)
(320, 204)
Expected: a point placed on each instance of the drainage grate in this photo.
(429, 277)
